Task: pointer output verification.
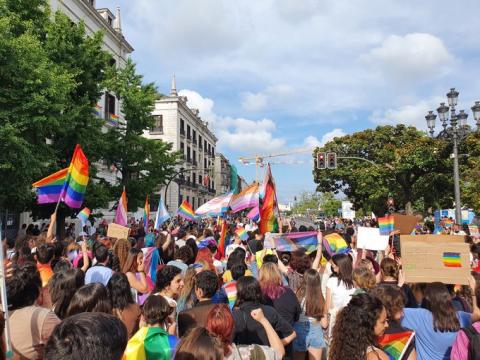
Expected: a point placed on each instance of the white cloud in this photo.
(414, 57)
(313, 141)
(237, 134)
(272, 96)
(254, 101)
(410, 114)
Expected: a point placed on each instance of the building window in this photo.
(158, 127)
(194, 178)
(213, 151)
(194, 136)
(209, 149)
(194, 157)
(205, 145)
(200, 142)
(188, 132)
(204, 163)
(213, 185)
(200, 179)
(109, 105)
(112, 62)
(193, 202)
(182, 127)
(188, 154)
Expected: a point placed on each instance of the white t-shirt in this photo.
(340, 294)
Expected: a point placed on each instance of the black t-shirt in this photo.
(255, 245)
(249, 331)
(287, 306)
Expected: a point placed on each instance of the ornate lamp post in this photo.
(456, 132)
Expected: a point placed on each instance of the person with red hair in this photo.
(220, 322)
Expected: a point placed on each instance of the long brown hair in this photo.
(438, 300)
(121, 248)
(345, 269)
(199, 344)
(311, 291)
(131, 264)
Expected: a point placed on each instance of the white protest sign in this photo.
(370, 239)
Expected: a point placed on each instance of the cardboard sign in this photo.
(404, 223)
(117, 231)
(473, 230)
(370, 239)
(429, 258)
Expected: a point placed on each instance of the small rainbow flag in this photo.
(76, 182)
(146, 215)
(448, 223)
(84, 215)
(151, 343)
(96, 110)
(335, 244)
(242, 233)
(396, 345)
(451, 259)
(49, 188)
(386, 225)
(113, 120)
(231, 292)
(186, 211)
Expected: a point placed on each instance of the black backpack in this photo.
(473, 342)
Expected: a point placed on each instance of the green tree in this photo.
(329, 204)
(470, 172)
(409, 166)
(309, 203)
(143, 163)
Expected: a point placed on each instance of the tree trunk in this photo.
(408, 208)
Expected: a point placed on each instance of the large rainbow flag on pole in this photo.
(151, 343)
(396, 345)
(76, 182)
(146, 215)
(121, 214)
(268, 204)
(186, 211)
(49, 188)
(246, 199)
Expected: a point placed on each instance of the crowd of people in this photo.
(175, 294)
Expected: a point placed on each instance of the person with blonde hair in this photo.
(363, 279)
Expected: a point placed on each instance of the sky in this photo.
(275, 76)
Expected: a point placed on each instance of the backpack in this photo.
(473, 342)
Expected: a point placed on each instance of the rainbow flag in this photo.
(96, 110)
(242, 233)
(396, 345)
(84, 215)
(246, 199)
(49, 188)
(268, 220)
(151, 343)
(76, 182)
(230, 289)
(254, 214)
(335, 244)
(292, 241)
(121, 213)
(386, 225)
(146, 215)
(223, 234)
(451, 259)
(186, 211)
(448, 223)
(113, 120)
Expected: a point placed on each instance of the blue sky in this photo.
(277, 75)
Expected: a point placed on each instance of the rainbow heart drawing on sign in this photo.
(451, 259)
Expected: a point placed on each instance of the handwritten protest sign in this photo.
(370, 238)
(429, 258)
(473, 230)
(117, 231)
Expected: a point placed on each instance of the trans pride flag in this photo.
(215, 207)
(396, 345)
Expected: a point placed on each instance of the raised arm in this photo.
(86, 259)
(273, 338)
(318, 257)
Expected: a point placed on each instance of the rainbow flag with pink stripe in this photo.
(396, 345)
(242, 233)
(386, 225)
(186, 211)
(254, 214)
(49, 188)
(292, 241)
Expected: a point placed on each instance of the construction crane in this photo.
(258, 160)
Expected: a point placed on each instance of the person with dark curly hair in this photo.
(169, 284)
(88, 336)
(357, 327)
(30, 324)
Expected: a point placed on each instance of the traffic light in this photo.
(332, 160)
(321, 164)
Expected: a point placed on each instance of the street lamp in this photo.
(457, 131)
